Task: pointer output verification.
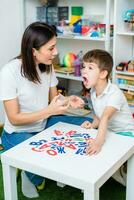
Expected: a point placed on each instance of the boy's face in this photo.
(90, 74)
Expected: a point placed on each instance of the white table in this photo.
(80, 171)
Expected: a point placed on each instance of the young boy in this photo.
(109, 103)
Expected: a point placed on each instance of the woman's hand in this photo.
(58, 106)
(76, 102)
(86, 124)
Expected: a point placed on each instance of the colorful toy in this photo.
(77, 26)
(68, 60)
(126, 66)
(129, 19)
(129, 15)
(61, 143)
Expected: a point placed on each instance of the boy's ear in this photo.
(103, 74)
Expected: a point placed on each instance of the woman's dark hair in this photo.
(36, 35)
(102, 58)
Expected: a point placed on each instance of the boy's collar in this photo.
(105, 91)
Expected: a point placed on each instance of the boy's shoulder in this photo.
(113, 88)
(115, 92)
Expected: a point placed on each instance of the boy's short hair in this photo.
(102, 58)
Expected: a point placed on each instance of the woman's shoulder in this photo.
(12, 66)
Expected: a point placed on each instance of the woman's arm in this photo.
(75, 101)
(17, 118)
(52, 93)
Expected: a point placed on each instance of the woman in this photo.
(27, 85)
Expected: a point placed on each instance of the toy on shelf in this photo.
(68, 60)
(131, 66)
(93, 26)
(63, 13)
(78, 64)
(51, 13)
(122, 66)
(74, 62)
(49, 2)
(128, 18)
(125, 82)
(60, 68)
(130, 98)
(76, 13)
(71, 63)
(126, 66)
(77, 27)
(75, 19)
(67, 65)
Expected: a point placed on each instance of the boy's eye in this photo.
(90, 67)
(82, 66)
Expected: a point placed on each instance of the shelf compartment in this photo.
(68, 76)
(126, 87)
(83, 38)
(126, 77)
(125, 33)
(125, 73)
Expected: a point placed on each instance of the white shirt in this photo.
(112, 96)
(31, 97)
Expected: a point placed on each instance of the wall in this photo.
(11, 18)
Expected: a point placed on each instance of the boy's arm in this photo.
(95, 145)
(95, 123)
(74, 101)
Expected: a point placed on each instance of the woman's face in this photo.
(46, 53)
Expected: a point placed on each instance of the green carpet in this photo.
(111, 190)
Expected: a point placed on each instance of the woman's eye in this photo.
(51, 49)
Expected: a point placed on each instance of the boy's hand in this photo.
(76, 102)
(86, 124)
(94, 147)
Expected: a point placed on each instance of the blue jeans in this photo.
(11, 140)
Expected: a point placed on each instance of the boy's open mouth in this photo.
(85, 80)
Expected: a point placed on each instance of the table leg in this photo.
(130, 179)
(59, 184)
(91, 194)
(10, 185)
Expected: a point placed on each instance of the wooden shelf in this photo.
(126, 87)
(125, 73)
(68, 76)
(125, 33)
(126, 77)
(82, 38)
